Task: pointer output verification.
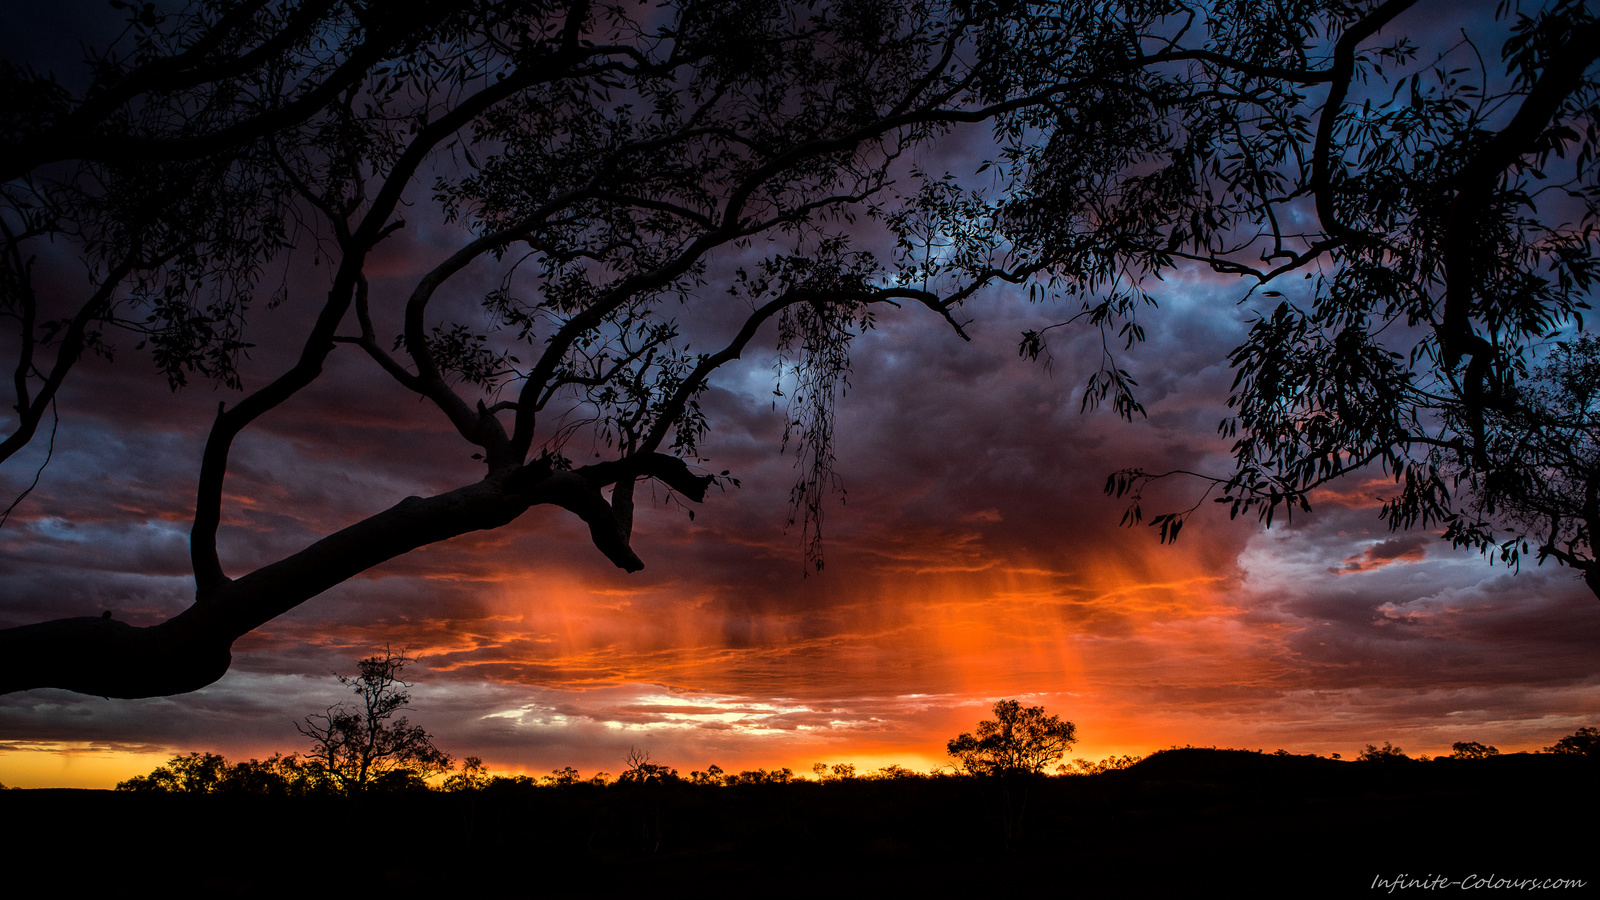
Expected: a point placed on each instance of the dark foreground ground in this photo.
(1183, 823)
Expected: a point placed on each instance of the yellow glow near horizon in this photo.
(73, 765)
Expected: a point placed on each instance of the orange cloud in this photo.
(1404, 549)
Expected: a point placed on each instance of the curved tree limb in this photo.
(1344, 67)
(109, 658)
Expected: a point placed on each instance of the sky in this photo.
(973, 557)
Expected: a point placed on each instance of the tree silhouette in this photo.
(209, 773)
(355, 749)
(638, 769)
(1472, 750)
(1017, 740)
(1388, 753)
(1427, 245)
(472, 777)
(622, 177)
(1584, 742)
(197, 773)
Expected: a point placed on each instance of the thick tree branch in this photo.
(114, 659)
(1476, 182)
(321, 341)
(1475, 186)
(668, 470)
(1344, 67)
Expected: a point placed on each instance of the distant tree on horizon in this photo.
(639, 769)
(1018, 739)
(1388, 753)
(1585, 741)
(1472, 750)
(472, 777)
(211, 773)
(366, 746)
(1090, 767)
(196, 773)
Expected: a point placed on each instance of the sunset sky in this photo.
(973, 558)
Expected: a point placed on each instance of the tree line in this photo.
(367, 748)
(297, 775)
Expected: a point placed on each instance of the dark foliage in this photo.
(1388, 753)
(1422, 237)
(1583, 742)
(209, 773)
(1472, 750)
(1018, 740)
(1235, 822)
